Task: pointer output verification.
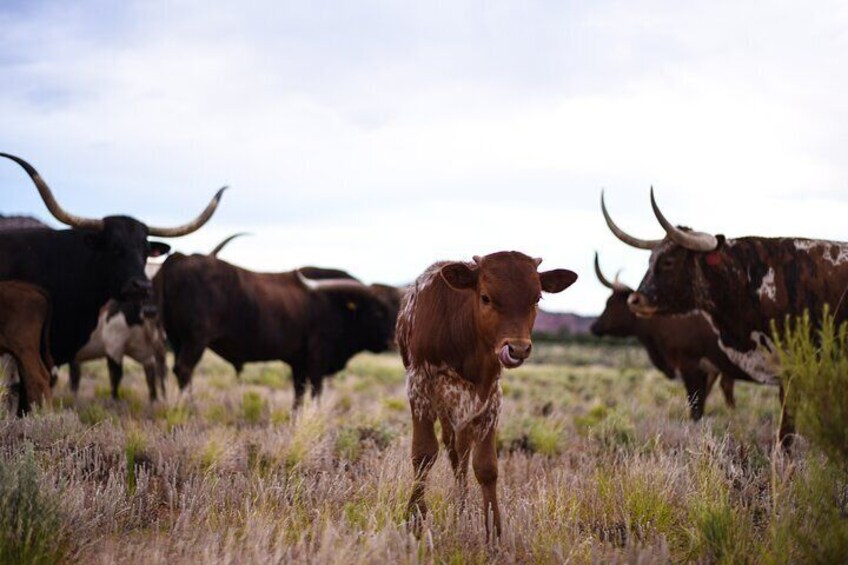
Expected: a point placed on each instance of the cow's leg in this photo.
(75, 376)
(712, 377)
(726, 384)
(187, 359)
(35, 377)
(425, 448)
(485, 463)
(450, 447)
(299, 379)
(161, 368)
(116, 373)
(787, 426)
(458, 445)
(150, 376)
(696, 391)
(14, 387)
(317, 382)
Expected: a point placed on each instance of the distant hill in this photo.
(561, 323)
(8, 223)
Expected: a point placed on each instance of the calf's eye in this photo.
(485, 298)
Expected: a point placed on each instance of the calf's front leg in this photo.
(485, 463)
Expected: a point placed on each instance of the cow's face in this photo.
(616, 320)
(122, 250)
(507, 288)
(371, 319)
(676, 280)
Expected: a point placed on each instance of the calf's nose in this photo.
(519, 348)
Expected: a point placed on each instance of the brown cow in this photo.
(684, 346)
(25, 313)
(460, 324)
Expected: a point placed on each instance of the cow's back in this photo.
(435, 322)
(240, 314)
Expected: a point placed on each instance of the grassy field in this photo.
(598, 463)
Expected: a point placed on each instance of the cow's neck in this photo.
(481, 368)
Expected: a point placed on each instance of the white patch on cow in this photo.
(835, 252)
(114, 337)
(761, 363)
(440, 392)
(150, 269)
(767, 288)
(116, 331)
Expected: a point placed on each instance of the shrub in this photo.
(814, 367)
(32, 528)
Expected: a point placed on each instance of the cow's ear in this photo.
(459, 276)
(157, 249)
(557, 280)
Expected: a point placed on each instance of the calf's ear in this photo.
(557, 280)
(459, 276)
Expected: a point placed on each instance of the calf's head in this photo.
(507, 288)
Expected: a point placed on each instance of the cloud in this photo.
(382, 137)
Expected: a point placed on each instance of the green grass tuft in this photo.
(32, 527)
(252, 407)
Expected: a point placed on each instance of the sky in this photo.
(380, 137)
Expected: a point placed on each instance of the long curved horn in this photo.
(614, 285)
(329, 284)
(694, 241)
(622, 235)
(599, 274)
(220, 246)
(193, 225)
(50, 201)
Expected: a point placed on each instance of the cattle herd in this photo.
(703, 312)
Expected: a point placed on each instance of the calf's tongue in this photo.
(508, 360)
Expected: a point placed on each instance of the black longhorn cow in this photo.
(82, 268)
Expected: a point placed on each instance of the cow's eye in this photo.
(485, 298)
(538, 299)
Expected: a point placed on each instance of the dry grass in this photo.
(599, 463)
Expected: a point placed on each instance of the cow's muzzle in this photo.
(640, 305)
(149, 311)
(513, 352)
(137, 289)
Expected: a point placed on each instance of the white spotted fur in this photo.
(767, 288)
(761, 363)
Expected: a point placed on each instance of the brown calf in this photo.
(24, 326)
(459, 325)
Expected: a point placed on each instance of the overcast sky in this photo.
(382, 136)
